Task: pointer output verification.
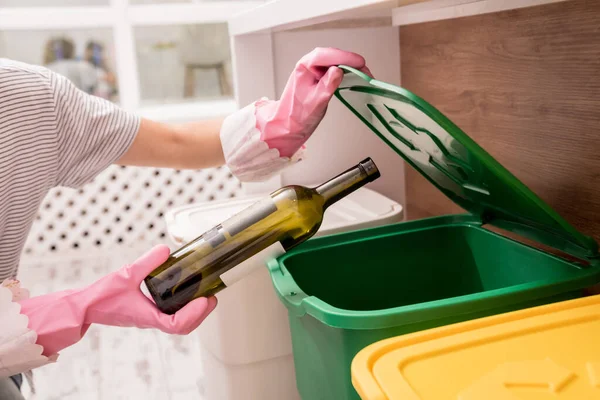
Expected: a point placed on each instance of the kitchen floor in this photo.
(110, 363)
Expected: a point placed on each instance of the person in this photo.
(53, 134)
(106, 81)
(60, 57)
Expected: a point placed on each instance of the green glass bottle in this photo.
(290, 215)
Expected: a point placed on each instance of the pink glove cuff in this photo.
(285, 129)
(58, 318)
(18, 349)
(247, 155)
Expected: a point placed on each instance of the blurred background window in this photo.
(84, 56)
(143, 61)
(183, 63)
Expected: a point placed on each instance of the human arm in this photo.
(194, 145)
(258, 140)
(33, 330)
(255, 142)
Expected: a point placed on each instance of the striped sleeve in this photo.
(92, 132)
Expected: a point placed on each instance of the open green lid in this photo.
(456, 165)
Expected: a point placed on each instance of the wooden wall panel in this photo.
(525, 84)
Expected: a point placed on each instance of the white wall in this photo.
(341, 139)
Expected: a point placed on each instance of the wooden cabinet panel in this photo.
(525, 84)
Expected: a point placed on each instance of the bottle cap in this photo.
(368, 167)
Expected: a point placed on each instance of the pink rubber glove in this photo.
(287, 123)
(61, 319)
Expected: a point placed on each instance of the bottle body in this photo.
(290, 215)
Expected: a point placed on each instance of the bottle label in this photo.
(215, 236)
(208, 249)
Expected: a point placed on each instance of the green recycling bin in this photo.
(346, 291)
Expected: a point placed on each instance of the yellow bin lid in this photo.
(542, 353)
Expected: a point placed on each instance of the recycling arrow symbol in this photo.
(542, 374)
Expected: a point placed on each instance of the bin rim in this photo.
(300, 303)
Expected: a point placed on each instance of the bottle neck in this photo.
(348, 182)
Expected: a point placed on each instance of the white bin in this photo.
(246, 343)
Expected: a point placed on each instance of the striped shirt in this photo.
(51, 134)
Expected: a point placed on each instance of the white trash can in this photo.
(246, 342)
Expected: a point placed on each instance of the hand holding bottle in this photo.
(61, 319)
